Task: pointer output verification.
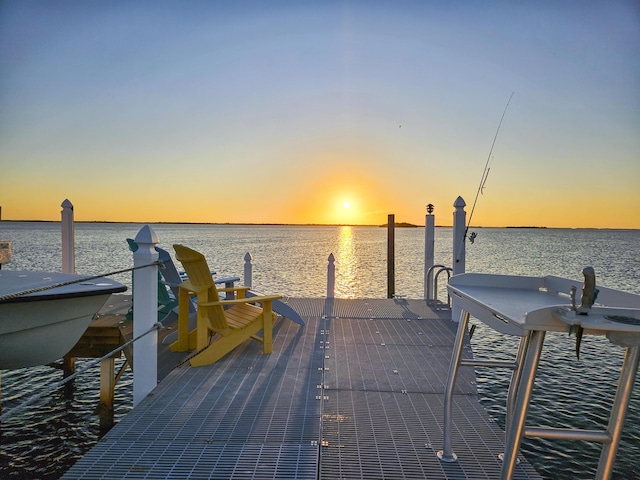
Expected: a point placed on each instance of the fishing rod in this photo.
(485, 174)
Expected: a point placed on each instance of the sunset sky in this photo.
(290, 112)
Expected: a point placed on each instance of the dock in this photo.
(356, 393)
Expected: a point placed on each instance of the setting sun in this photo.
(346, 204)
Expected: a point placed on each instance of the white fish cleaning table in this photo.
(529, 307)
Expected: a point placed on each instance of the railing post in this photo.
(331, 276)
(459, 232)
(68, 238)
(429, 242)
(248, 270)
(145, 304)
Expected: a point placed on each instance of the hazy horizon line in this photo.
(397, 224)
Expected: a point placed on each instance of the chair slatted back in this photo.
(197, 269)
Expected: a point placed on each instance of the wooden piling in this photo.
(391, 257)
(68, 369)
(107, 393)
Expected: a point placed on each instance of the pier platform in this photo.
(357, 393)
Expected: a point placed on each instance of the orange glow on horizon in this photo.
(308, 195)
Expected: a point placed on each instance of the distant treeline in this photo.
(402, 225)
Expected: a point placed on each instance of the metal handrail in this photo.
(432, 290)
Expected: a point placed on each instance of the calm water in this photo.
(47, 438)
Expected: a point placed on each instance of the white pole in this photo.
(68, 238)
(145, 304)
(331, 276)
(459, 227)
(248, 270)
(459, 230)
(429, 242)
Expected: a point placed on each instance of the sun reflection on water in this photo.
(347, 264)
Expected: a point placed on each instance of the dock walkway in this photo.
(356, 393)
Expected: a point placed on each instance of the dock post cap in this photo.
(146, 235)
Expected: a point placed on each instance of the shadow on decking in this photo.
(356, 393)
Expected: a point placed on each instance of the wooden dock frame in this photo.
(108, 331)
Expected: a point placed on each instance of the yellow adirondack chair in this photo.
(241, 321)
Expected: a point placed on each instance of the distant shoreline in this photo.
(397, 225)
(208, 223)
(524, 226)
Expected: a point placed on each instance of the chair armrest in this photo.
(226, 280)
(265, 298)
(234, 289)
(187, 285)
(171, 284)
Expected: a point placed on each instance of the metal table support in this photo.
(480, 295)
(447, 454)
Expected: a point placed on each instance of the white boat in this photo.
(40, 327)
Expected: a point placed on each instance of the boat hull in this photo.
(48, 329)
(39, 328)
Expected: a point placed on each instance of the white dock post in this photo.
(145, 316)
(331, 276)
(459, 228)
(248, 270)
(429, 242)
(68, 238)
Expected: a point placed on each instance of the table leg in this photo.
(525, 386)
(446, 454)
(618, 412)
(523, 345)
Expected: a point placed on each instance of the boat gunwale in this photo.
(94, 286)
(43, 297)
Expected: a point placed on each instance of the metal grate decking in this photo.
(356, 393)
